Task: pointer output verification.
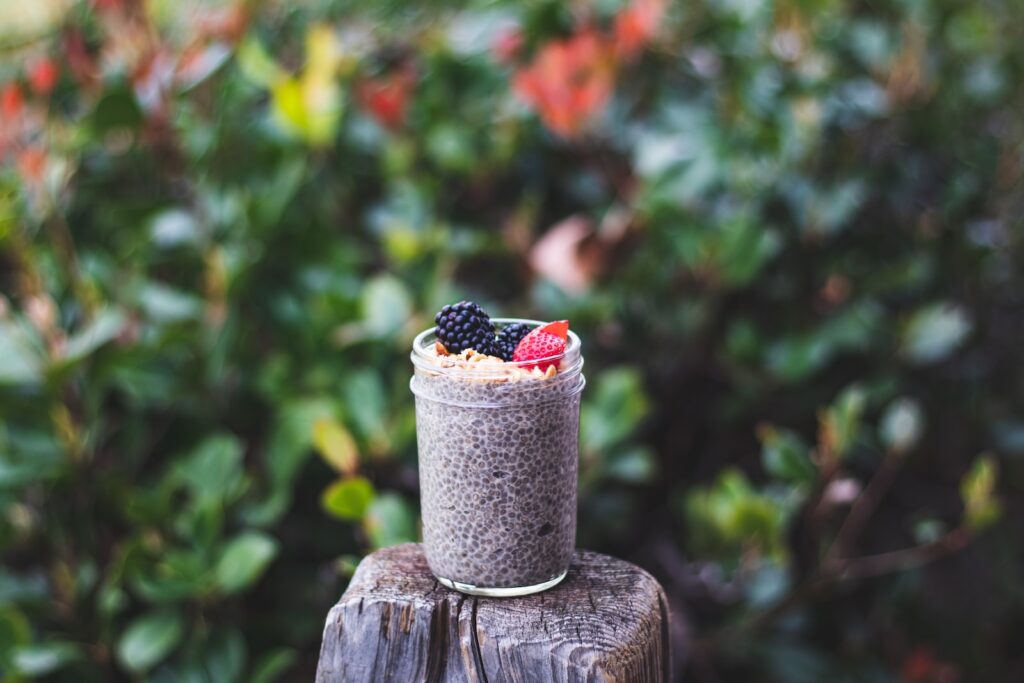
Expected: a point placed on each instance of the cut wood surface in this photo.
(607, 621)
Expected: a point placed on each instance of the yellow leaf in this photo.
(289, 109)
(323, 53)
(321, 96)
(981, 506)
(336, 445)
(308, 108)
(310, 105)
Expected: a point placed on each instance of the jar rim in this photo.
(421, 356)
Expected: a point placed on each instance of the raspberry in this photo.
(508, 339)
(546, 341)
(464, 326)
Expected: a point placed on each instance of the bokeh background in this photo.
(789, 233)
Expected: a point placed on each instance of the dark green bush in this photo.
(789, 234)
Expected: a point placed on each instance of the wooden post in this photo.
(607, 621)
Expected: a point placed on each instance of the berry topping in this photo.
(508, 339)
(546, 341)
(464, 326)
(559, 328)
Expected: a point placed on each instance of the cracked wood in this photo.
(607, 621)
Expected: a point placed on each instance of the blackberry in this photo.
(508, 339)
(464, 326)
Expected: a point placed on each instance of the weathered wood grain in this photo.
(607, 621)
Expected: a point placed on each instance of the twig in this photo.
(865, 505)
(900, 560)
(839, 571)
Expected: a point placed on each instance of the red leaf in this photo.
(31, 163)
(386, 98)
(12, 100)
(568, 82)
(42, 75)
(636, 26)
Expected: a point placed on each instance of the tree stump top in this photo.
(607, 621)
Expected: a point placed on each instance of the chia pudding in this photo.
(498, 458)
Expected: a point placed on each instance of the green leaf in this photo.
(293, 436)
(840, 422)
(450, 146)
(972, 29)
(167, 305)
(785, 456)
(213, 471)
(634, 465)
(795, 357)
(244, 560)
(336, 445)
(14, 475)
(683, 158)
(257, 64)
(117, 109)
(223, 657)
(977, 489)
(366, 403)
(173, 227)
(390, 521)
(149, 640)
(1008, 436)
(203, 523)
(854, 328)
(111, 600)
(274, 195)
(386, 305)
(743, 248)
(104, 327)
(348, 498)
(287, 450)
(40, 660)
(272, 665)
(767, 584)
(828, 210)
(934, 332)
(21, 361)
(730, 521)
(871, 42)
(929, 530)
(614, 410)
(901, 425)
(14, 628)
(742, 343)
(15, 588)
(179, 574)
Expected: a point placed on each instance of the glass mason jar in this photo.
(498, 462)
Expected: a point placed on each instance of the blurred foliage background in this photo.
(789, 233)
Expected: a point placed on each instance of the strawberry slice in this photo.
(559, 328)
(546, 341)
